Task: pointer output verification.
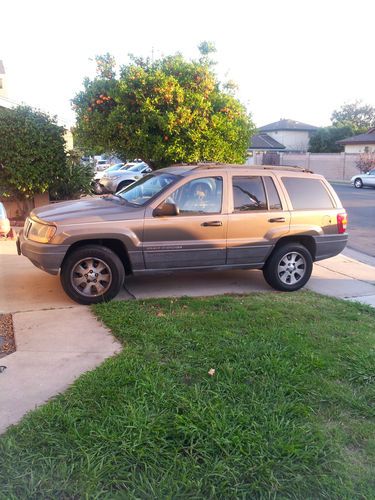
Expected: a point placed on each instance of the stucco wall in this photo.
(335, 166)
(359, 148)
(297, 140)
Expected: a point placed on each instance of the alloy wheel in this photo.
(291, 268)
(91, 277)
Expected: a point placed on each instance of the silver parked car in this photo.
(115, 181)
(362, 180)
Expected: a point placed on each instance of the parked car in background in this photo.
(4, 221)
(101, 165)
(97, 188)
(362, 180)
(111, 182)
(197, 217)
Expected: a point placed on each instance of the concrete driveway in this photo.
(26, 288)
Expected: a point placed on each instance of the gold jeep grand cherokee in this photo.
(278, 219)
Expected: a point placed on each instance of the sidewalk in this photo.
(58, 340)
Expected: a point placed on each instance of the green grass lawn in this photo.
(288, 413)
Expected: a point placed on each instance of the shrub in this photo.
(366, 162)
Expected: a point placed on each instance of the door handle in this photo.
(277, 219)
(212, 223)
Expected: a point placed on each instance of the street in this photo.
(360, 206)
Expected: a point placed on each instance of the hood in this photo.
(124, 174)
(88, 210)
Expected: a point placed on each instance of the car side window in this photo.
(248, 194)
(307, 194)
(199, 196)
(274, 202)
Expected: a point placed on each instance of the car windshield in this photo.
(115, 167)
(137, 168)
(146, 188)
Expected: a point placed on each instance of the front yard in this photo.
(268, 395)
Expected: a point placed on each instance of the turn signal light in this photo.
(342, 221)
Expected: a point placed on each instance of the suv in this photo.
(276, 219)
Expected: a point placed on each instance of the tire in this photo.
(123, 184)
(290, 254)
(358, 183)
(92, 287)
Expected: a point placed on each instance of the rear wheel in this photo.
(289, 267)
(92, 274)
(358, 183)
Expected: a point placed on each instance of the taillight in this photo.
(342, 221)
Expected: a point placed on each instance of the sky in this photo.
(291, 59)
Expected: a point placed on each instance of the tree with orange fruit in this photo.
(163, 111)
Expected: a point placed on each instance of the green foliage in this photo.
(324, 139)
(357, 115)
(32, 152)
(74, 180)
(165, 111)
(366, 162)
(105, 66)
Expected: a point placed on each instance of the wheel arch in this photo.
(117, 246)
(307, 241)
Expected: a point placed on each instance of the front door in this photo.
(194, 238)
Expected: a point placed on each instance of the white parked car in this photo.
(101, 165)
(362, 180)
(97, 188)
(4, 221)
(115, 181)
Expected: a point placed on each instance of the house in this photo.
(361, 143)
(4, 101)
(3, 85)
(284, 135)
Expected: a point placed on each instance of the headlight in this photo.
(42, 233)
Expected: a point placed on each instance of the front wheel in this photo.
(92, 274)
(358, 183)
(289, 268)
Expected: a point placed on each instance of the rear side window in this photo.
(307, 194)
(248, 194)
(273, 197)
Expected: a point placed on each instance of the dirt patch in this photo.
(7, 342)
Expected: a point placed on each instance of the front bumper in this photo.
(43, 255)
(109, 184)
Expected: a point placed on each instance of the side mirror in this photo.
(166, 209)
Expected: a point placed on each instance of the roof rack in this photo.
(209, 165)
(291, 168)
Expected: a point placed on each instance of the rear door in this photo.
(257, 217)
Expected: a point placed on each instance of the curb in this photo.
(359, 256)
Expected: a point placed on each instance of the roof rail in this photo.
(291, 168)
